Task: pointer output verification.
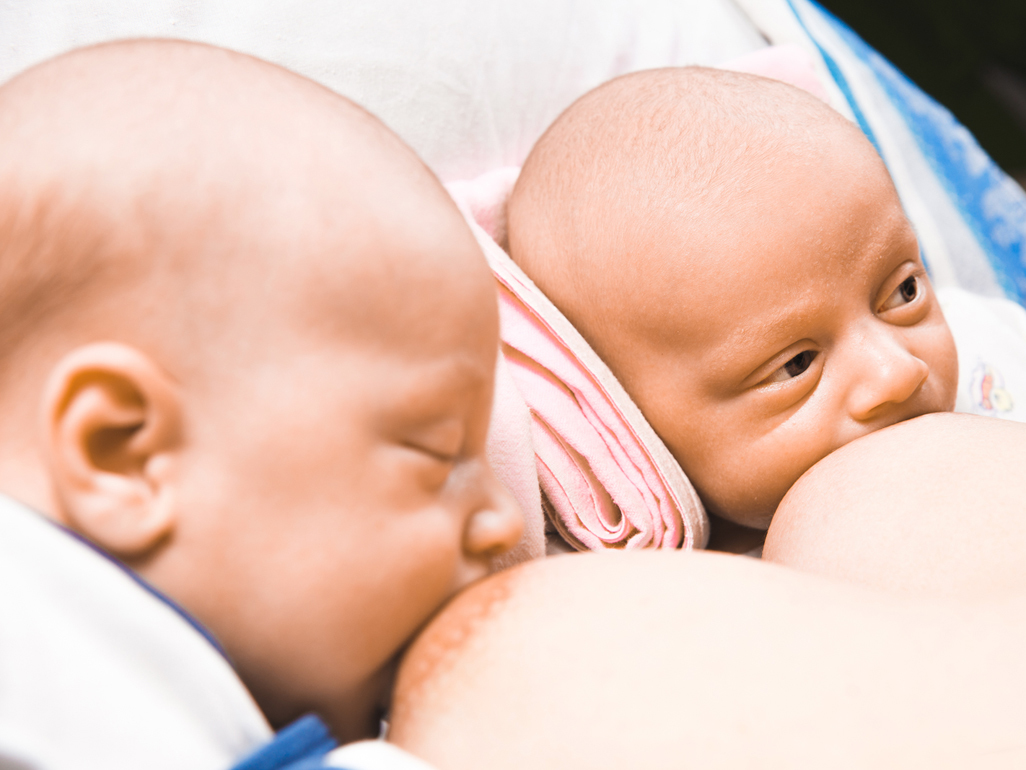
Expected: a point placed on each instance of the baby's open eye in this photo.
(793, 367)
(906, 292)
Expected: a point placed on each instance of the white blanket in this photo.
(97, 670)
(990, 335)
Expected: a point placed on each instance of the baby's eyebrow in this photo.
(751, 345)
(775, 333)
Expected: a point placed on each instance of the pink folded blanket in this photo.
(608, 480)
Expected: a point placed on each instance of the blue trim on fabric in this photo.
(299, 746)
(992, 206)
(140, 582)
(835, 71)
(310, 764)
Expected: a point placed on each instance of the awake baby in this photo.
(735, 251)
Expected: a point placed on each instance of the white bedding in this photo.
(470, 85)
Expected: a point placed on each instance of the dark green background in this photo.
(969, 56)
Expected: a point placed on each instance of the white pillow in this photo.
(470, 85)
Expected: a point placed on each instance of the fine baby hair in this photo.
(248, 351)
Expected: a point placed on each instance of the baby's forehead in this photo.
(240, 179)
(677, 142)
(797, 241)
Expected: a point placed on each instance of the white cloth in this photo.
(469, 85)
(374, 755)
(98, 671)
(990, 335)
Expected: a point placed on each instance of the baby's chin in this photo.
(360, 712)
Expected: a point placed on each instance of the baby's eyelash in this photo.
(434, 454)
(908, 291)
(794, 367)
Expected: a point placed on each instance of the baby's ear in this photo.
(112, 431)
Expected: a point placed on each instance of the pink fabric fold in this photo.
(609, 480)
(597, 475)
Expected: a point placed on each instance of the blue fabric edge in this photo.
(1006, 261)
(298, 746)
(139, 581)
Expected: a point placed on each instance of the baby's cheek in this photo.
(742, 489)
(941, 356)
(945, 370)
(772, 467)
(739, 471)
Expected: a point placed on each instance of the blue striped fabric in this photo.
(992, 205)
(299, 746)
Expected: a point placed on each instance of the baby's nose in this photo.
(886, 376)
(497, 525)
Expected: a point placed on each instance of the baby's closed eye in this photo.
(429, 449)
(430, 468)
(439, 439)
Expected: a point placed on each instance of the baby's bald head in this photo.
(635, 183)
(137, 172)
(736, 252)
(185, 199)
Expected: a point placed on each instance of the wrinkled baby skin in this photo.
(268, 383)
(762, 298)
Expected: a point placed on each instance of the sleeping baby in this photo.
(735, 251)
(248, 353)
